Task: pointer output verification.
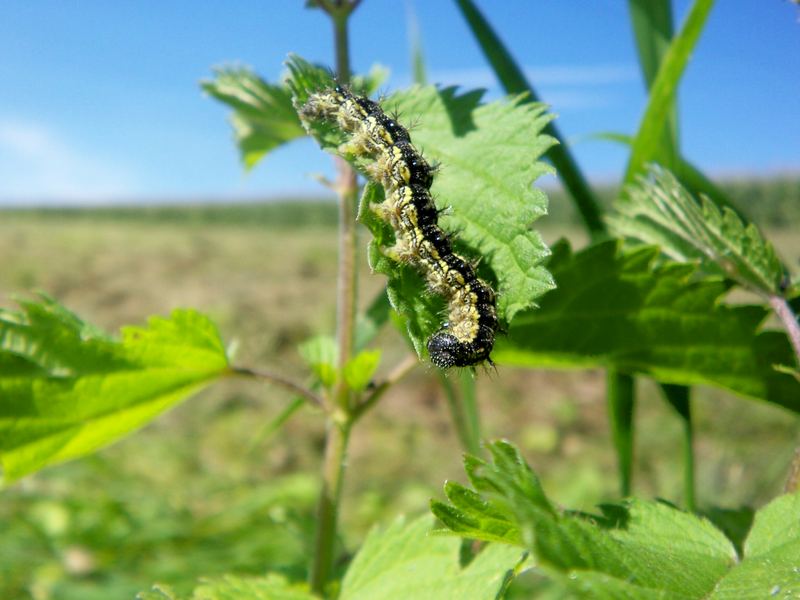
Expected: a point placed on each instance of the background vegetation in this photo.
(208, 489)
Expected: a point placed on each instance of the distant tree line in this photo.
(773, 202)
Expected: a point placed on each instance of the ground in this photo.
(202, 490)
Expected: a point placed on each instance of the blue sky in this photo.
(100, 100)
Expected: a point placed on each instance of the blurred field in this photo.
(201, 492)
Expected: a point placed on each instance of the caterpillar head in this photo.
(446, 351)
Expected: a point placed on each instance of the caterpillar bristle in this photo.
(466, 337)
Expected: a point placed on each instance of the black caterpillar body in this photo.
(468, 335)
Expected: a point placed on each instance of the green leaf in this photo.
(321, 355)
(777, 525)
(652, 26)
(271, 587)
(513, 81)
(234, 587)
(471, 516)
(638, 549)
(622, 310)
(621, 398)
(263, 116)
(489, 156)
(305, 78)
(658, 210)
(359, 370)
(487, 514)
(770, 567)
(489, 160)
(75, 389)
(648, 142)
(404, 561)
(644, 549)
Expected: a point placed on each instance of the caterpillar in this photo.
(467, 336)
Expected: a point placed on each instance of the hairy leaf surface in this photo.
(659, 210)
(67, 389)
(641, 550)
(489, 158)
(263, 116)
(623, 310)
(404, 561)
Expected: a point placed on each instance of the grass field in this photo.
(203, 491)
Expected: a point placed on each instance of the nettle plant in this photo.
(653, 305)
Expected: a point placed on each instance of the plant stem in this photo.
(470, 440)
(789, 320)
(347, 188)
(469, 402)
(341, 44)
(336, 440)
(678, 397)
(661, 101)
(620, 394)
(653, 29)
(281, 381)
(339, 405)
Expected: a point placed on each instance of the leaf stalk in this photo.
(281, 381)
(789, 320)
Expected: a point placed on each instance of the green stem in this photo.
(339, 405)
(347, 281)
(663, 88)
(347, 188)
(336, 440)
(620, 394)
(469, 400)
(678, 397)
(653, 29)
(457, 414)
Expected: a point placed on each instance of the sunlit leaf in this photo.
(624, 309)
(489, 156)
(68, 389)
(404, 561)
(659, 210)
(643, 550)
